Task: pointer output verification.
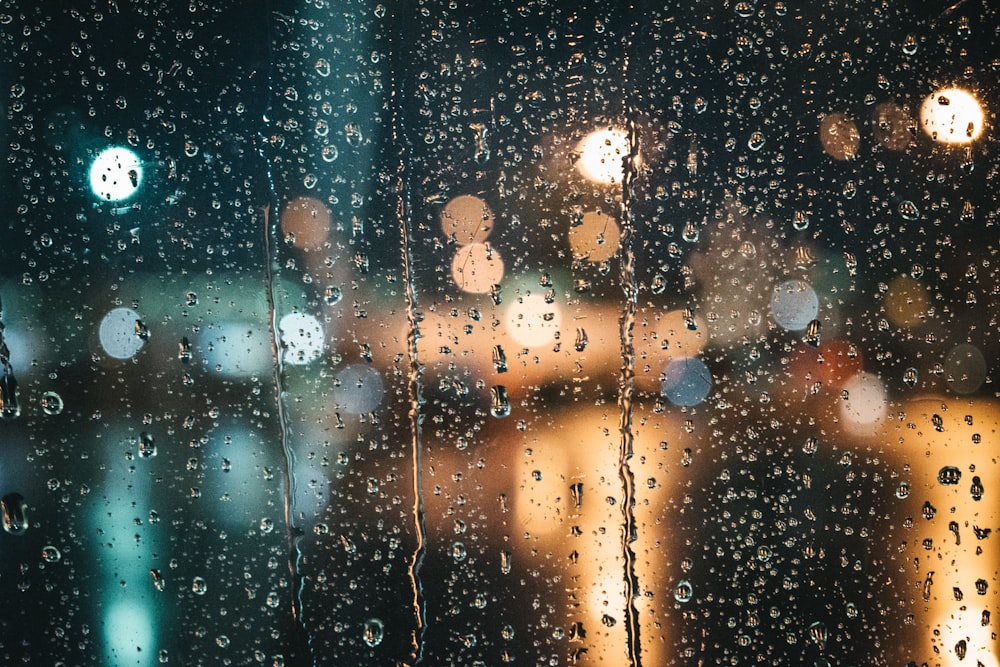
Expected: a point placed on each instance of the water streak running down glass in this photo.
(557, 333)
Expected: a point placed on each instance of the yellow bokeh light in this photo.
(906, 302)
(839, 136)
(468, 219)
(952, 116)
(595, 239)
(602, 154)
(476, 268)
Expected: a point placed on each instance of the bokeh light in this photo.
(532, 322)
(115, 174)
(952, 116)
(864, 402)
(305, 223)
(601, 155)
(686, 382)
(358, 389)
(118, 333)
(596, 238)
(476, 268)
(794, 305)
(906, 302)
(839, 136)
(965, 368)
(301, 338)
(468, 219)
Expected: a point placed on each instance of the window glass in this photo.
(448, 333)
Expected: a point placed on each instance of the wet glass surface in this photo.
(548, 333)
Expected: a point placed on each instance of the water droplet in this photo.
(683, 591)
(811, 445)
(756, 141)
(928, 583)
(960, 649)
(147, 446)
(51, 554)
(813, 332)
(499, 405)
(976, 490)
(374, 631)
(949, 475)
(910, 377)
(818, 633)
(184, 350)
(499, 359)
(908, 210)
(903, 490)
(981, 586)
(580, 343)
(928, 511)
(505, 562)
(199, 586)
(576, 493)
(910, 44)
(658, 285)
(52, 403)
(158, 581)
(15, 519)
(800, 221)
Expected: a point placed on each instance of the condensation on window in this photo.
(552, 333)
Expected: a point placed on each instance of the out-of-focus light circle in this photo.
(118, 335)
(839, 136)
(952, 116)
(115, 174)
(533, 322)
(358, 389)
(892, 126)
(601, 155)
(305, 222)
(468, 218)
(128, 632)
(301, 338)
(476, 268)
(965, 368)
(865, 400)
(596, 238)
(794, 305)
(237, 349)
(906, 302)
(686, 382)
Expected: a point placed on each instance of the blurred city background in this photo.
(546, 333)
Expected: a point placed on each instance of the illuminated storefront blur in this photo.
(435, 333)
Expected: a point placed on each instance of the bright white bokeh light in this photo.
(118, 334)
(533, 322)
(865, 400)
(601, 155)
(794, 305)
(116, 174)
(128, 634)
(358, 389)
(952, 116)
(302, 338)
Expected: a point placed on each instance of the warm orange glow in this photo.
(840, 137)
(305, 222)
(476, 268)
(468, 219)
(595, 239)
(906, 302)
